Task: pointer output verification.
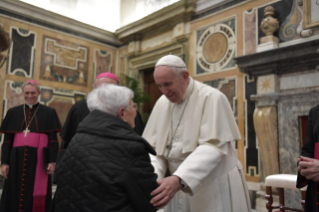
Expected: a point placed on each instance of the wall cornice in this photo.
(158, 22)
(283, 60)
(52, 20)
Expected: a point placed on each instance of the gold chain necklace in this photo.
(25, 118)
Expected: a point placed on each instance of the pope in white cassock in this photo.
(191, 128)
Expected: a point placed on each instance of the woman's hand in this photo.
(51, 168)
(5, 170)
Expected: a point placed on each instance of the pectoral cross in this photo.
(26, 132)
(169, 147)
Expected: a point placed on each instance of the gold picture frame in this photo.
(310, 17)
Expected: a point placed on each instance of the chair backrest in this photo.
(281, 182)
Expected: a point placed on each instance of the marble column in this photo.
(265, 122)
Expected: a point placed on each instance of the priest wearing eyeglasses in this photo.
(29, 153)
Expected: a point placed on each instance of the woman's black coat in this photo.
(105, 168)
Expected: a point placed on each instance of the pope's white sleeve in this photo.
(199, 164)
(160, 165)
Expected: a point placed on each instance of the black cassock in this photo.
(18, 190)
(308, 150)
(76, 115)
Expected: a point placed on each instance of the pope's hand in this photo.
(5, 170)
(51, 168)
(165, 191)
(309, 168)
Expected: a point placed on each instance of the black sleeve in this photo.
(6, 148)
(139, 180)
(307, 149)
(139, 125)
(68, 131)
(53, 147)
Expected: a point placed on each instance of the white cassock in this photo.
(201, 152)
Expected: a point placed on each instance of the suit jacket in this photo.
(308, 151)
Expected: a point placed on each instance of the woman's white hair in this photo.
(109, 98)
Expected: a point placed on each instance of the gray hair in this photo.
(31, 83)
(109, 98)
(178, 70)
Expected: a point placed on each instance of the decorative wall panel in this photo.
(63, 61)
(250, 31)
(251, 152)
(216, 47)
(102, 62)
(21, 53)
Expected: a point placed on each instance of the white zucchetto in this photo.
(172, 61)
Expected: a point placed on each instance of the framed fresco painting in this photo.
(310, 14)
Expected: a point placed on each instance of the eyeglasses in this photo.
(134, 105)
(3, 59)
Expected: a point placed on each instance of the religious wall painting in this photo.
(250, 31)
(102, 62)
(22, 52)
(251, 146)
(63, 61)
(59, 99)
(216, 47)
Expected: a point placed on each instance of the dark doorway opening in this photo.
(150, 88)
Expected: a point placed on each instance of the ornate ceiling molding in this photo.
(149, 59)
(158, 22)
(52, 20)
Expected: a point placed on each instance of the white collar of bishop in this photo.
(31, 105)
(188, 90)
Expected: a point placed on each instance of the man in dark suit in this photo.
(308, 162)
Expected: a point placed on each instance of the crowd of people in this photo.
(182, 161)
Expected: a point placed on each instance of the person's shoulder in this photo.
(18, 107)
(162, 101)
(133, 147)
(45, 107)
(314, 110)
(81, 102)
(208, 91)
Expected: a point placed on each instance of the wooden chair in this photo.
(281, 182)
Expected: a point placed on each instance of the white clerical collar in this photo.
(189, 89)
(31, 105)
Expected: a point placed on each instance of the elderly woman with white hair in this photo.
(106, 166)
